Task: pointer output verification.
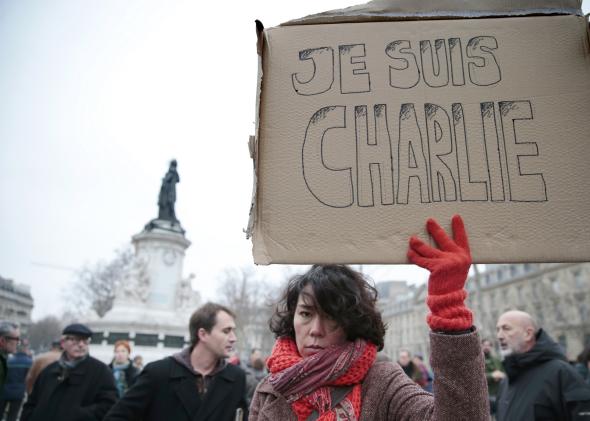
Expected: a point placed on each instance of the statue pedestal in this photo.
(165, 225)
(163, 251)
(153, 306)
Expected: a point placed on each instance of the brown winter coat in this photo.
(39, 364)
(460, 388)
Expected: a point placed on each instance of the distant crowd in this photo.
(529, 376)
(326, 363)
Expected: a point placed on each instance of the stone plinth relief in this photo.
(136, 282)
(186, 297)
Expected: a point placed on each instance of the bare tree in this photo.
(97, 284)
(290, 271)
(43, 332)
(250, 298)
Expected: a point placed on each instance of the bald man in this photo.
(540, 383)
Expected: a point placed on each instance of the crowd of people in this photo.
(325, 364)
(20, 374)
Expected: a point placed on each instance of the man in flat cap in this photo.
(77, 387)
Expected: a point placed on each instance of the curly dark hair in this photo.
(341, 293)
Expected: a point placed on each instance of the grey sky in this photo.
(96, 98)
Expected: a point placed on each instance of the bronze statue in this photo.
(167, 196)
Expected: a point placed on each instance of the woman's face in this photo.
(121, 354)
(314, 330)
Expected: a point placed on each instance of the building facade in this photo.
(16, 303)
(557, 295)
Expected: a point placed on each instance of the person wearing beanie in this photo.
(328, 327)
(76, 387)
(122, 367)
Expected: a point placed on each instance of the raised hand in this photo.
(448, 265)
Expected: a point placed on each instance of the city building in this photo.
(557, 295)
(16, 303)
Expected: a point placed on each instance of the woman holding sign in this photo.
(329, 331)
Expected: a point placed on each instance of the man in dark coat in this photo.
(9, 339)
(77, 387)
(194, 384)
(14, 388)
(540, 383)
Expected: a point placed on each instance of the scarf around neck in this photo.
(64, 362)
(66, 366)
(307, 383)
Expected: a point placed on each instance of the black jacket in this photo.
(541, 385)
(85, 394)
(166, 390)
(3, 369)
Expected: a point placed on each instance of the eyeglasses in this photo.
(12, 338)
(77, 339)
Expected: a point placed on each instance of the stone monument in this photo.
(154, 302)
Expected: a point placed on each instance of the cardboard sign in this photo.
(367, 129)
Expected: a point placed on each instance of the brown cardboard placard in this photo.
(367, 129)
(384, 10)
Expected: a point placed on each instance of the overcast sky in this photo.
(95, 98)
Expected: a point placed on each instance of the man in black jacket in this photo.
(194, 384)
(9, 339)
(77, 387)
(540, 384)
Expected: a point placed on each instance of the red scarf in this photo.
(306, 382)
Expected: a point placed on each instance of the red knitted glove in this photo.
(448, 266)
